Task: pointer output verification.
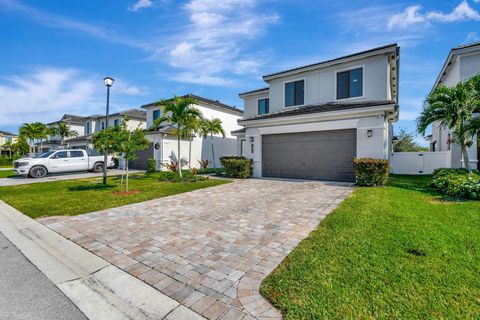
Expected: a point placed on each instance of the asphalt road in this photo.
(26, 293)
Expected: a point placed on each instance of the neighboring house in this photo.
(163, 147)
(462, 63)
(312, 121)
(94, 123)
(76, 123)
(6, 137)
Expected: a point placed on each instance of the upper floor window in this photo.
(350, 84)
(87, 128)
(263, 106)
(102, 125)
(8, 139)
(116, 122)
(156, 114)
(295, 93)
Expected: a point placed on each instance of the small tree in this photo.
(406, 143)
(20, 147)
(192, 126)
(108, 141)
(209, 128)
(63, 131)
(8, 146)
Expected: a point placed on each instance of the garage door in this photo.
(141, 163)
(323, 155)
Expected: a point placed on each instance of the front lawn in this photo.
(397, 252)
(6, 173)
(72, 197)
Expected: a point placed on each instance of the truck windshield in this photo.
(45, 155)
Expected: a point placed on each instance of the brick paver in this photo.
(208, 249)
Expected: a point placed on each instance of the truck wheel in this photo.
(98, 167)
(37, 172)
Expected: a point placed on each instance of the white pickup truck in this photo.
(59, 161)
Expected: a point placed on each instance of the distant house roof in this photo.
(318, 108)
(454, 52)
(86, 137)
(254, 91)
(131, 113)
(6, 133)
(70, 118)
(370, 52)
(239, 131)
(206, 100)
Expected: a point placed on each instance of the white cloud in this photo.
(140, 4)
(413, 16)
(213, 42)
(47, 93)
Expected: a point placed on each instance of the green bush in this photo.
(371, 172)
(5, 161)
(237, 167)
(151, 165)
(170, 176)
(457, 183)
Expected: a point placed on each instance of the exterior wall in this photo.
(320, 85)
(376, 146)
(469, 66)
(250, 104)
(419, 162)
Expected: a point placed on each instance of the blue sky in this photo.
(54, 54)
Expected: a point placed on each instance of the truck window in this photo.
(60, 155)
(76, 154)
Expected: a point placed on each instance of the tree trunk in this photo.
(126, 179)
(179, 159)
(30, 145)
(190, 154)
(213, 152)
(466, 160)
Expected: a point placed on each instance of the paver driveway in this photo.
(208, 249)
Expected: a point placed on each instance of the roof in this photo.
(453, 52)
(254, 91)
(6, 133)
(131, 113)
(165, 130)
(86, 137)
(326, 107)
(206, 100)
(70, 118)
(332, 61)
(239, 131)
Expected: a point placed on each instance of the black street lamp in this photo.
(108, 82)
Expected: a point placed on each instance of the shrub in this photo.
(151, 165)
(237, 167)
(172, 166)
(457, 183)
(5, 161)
(371, 172)
(170, 176)
(204, 163)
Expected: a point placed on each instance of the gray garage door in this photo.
(323, 155)
(141, 163)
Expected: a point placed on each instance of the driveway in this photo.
(17, 180)
(208, 249)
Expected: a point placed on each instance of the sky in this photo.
(54, 54)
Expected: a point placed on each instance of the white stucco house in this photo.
(312, 121)
(75, 122)
(461, 64)
(6, 137)
(94, 123)
(163, 147)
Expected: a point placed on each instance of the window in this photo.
(8, 139)
(295, 93)
(102, 125)
(116, 122)
(350, 84)
(87, 128)
(76, 154)
(156, 114)
(60, 155)
(263, 106)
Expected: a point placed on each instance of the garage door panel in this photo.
(326, 155)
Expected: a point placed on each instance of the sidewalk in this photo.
(99, 289)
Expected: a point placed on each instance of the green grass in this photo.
(6, 173)
(397, 252)
(6, 166)
(73, 197)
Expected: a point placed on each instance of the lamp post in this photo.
(108, 82)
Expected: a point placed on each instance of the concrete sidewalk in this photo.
(18, 180)
(99, 289)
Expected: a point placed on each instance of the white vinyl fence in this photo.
(419, 162)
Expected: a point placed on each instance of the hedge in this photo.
(151, 165)
(371, 172)
(457, 183)
(237, 167)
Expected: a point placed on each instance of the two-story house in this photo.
(312, 121)
(163, 147)
(94, 123)
(5, 138)
(461, 64)
(76, 123)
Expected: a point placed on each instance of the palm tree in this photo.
(177, 112)
(191, 127)
(63, 131)
(453, 107)
(42, 133)
(209, 128)
(29, 131)
(8, 146)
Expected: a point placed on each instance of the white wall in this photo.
(419, 162)
(250, 104)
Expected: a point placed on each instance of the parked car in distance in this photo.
(58, 161)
